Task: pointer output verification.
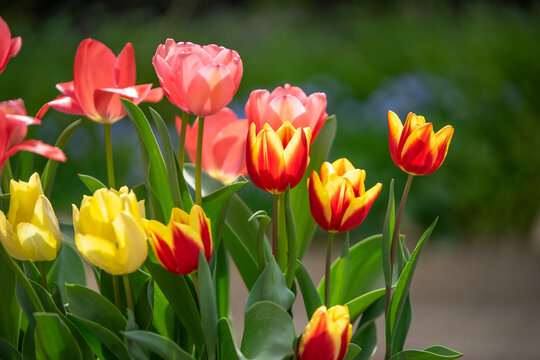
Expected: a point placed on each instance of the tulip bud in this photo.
(177, 245)
(31, 231)
(109, 230)
(327, 334)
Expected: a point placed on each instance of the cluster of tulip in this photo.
(273, 146)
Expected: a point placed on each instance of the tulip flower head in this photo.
(177, 245)
(100, 80)
(224, 145)
(31, 231)
(414, 147)
(337, 198)
(198, 79)
(277, 159)
(327, 335)
(9, 47)
(287, 104)
(109, 230)
(13, 128)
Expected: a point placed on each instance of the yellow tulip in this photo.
(109, 230)
(30, 231)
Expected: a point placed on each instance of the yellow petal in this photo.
(37, 244)
(131, 242)
(45, 218)
(394, 133)
(179, 216)
(356, 177)
(9, 240)
(342, 166)
(100, 252)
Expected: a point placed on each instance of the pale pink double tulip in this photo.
(100, 80)
(224, 145)
(287, 104)
(198, 79)
(8, 47)
(13, 128)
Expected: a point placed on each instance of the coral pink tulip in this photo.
(198, 79)
(100, 79)
(13, 127)
(224, 145)
(287, 104)
(8, 47)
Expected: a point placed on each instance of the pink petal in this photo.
(210, 90)
(37, 147)
(124, 67)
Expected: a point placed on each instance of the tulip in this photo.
(13, 127)
(287, 104)
(100, 80)
(277, 159)
(414, 147)
(327, 334)
(31, 231)
(177, 245)
(224, 145)
(198, 79)
(109, 230)
(8, 47)
(338, 199)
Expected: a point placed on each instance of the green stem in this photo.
(109, 155)
(263, 223)
(7, 175)
(195, 280)
(292, 245)
(327, 270)
(275, 226)
(129, 295)
(182, 142)
(116, 292)
(198, 189)
(43, 275)
(282, 234)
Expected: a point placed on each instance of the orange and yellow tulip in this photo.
(177, 245)
(338, 198)
(277, 159)
(414, 147)
(9, 47)
(327, 335)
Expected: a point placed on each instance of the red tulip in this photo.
(198, 79)
(287, 104)
(8, 47)
(224, 144)
(13, 127)
(100, 79)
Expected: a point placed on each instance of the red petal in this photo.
(124, 67)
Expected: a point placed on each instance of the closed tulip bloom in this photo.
(100, 80)
(31, 231)
(198, 79)
(338, 198)
(327, 335)
(13, 128)
(178, 245)
(224, 145)
(414, 147)
(287, 104)
(9, 47)
(277, 159)
(109, 230)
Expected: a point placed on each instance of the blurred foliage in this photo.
(473, 65)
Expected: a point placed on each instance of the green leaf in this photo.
(271, 286)
(291, 240)
(305, 225)
(244, 260)
(228, 349)
(365, 335)
(8, 351)
(361, 303)
(268, 332)
(53, 338)
(311, 297)
(432, 353)
(388, 232)
(207, 301)
(143, 308)
(9, 308)
(338, 288)
(91, 182)
(163, 315)
(352, 351)
(402, 328)
(222, 279)
(68, 268)
(158, 344)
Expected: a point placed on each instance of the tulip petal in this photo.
(187, 245)
(295, 158)
(63, 104)
(201, 225)
(441, 142)
(210, 90)
(11, 244)
(256, 107)
(100, 252)
(356, 177)
(37, 244)
(131, 242)
(159, 237)
(124, 67)
(16, 44)
(270, 160)
(37, 147)
(282, 109)
(45, 218)
(252, 155)
(417, 155)
(154, 95)
(358, 209)
(319, 202)
(395, 129)
(169, 82)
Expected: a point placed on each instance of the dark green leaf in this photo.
(352, 351)
(163, 315)
(361, 303)
(207, 301)
(311, 297)
(222, 279)
(365, 335)
(271, 286)
(402, 328)
(68, 268)
(143, 308)
(158, 344)
(8, 351)
(388, 232)
(228, 348)
(91, 182)
(54, 339)
(432, 353)
(242, 257)
(9, 308)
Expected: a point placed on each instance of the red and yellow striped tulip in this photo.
(277, 159)
(327, 334)
(338, 198)
(414, 147)
(177, 245)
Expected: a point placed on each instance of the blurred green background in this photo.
(472, 64)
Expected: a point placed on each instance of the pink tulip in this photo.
(224, 144)
(13, 127)
(100, 80)
(287, 104)
(198, 79)
(8, 47)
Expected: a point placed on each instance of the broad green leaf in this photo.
(311, 297)
(338, 288)
(271, 286)
(163, 314)
(388, 232)
(227, 346)
(68, 268)
(244, 260)
(352, 351)
(143, 308)
(365, 335)
(9, 308)
(402, 328)
(158, 344)
(432, 353)
(361, 303)
(54, 339)
(207, 302)
(268, 332)
(8, 351)
(134, 349)
(91, 183)
(221, 280)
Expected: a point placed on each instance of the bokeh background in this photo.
(472, 64)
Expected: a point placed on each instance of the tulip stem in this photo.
(43, 275)
(327, 270)
(129, 295)
(282, 234)
(275, 226)
(116, 292)
(7, 175)
(109, 155)
(182, 141)
(198, 189)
